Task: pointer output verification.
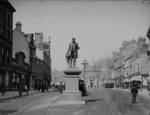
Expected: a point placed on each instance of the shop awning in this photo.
(108, 81)
(105, 82)
(136, 78)
(125, 80)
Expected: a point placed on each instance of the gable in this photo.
(20, 44)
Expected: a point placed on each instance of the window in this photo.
(0, 54)
(4, 30)
(4, 23)
(8, 34)
(1, 29)
(0, 14)
(9, 21)
(10, 57)
(2, 51)
(4, 16)
(138, 67)
(7, 56)
(3, 55)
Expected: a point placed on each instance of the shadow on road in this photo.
(9, 98)
(92, 100)
(7, 112)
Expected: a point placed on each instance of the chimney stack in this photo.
(18, 26)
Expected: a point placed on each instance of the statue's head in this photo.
(73, 39)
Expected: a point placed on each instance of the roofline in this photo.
(14, 10)
(9, 4)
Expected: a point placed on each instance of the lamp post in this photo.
(84, 63)
(148, 35)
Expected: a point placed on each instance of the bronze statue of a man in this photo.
(148, 33)
(72, 53)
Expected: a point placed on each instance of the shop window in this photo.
(6, 32)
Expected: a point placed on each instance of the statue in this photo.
(148, 33)
(72, 53)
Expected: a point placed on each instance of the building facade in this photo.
(6, 27)
(41, 75)
(21, 57)
(38, 71)
(135, 62)
(43, 53)
(47, 58)
(117, 73)
(92, 77)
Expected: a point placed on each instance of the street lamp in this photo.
(148, 35)
(84, 63)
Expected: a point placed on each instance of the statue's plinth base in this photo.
(71, 95)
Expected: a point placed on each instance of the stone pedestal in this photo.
(72, 84)
(71, 95)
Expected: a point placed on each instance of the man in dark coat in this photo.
(134, 91)
(3, 88)
(72, 53)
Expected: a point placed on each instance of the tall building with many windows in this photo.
(6, 29)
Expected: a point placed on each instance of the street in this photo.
(117, 102)
(98, 102)
(17, 104)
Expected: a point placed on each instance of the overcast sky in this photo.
(99, 26)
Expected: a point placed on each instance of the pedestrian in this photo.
(3, 88)
(26, 88)
(43, 87)
(134, 91)
(39, 87)
(20, 88)
(35, 87)
(61, 88)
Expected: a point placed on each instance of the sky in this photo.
(98, 26)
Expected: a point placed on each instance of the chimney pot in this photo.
(18, 26)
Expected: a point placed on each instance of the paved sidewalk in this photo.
(15, 94)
